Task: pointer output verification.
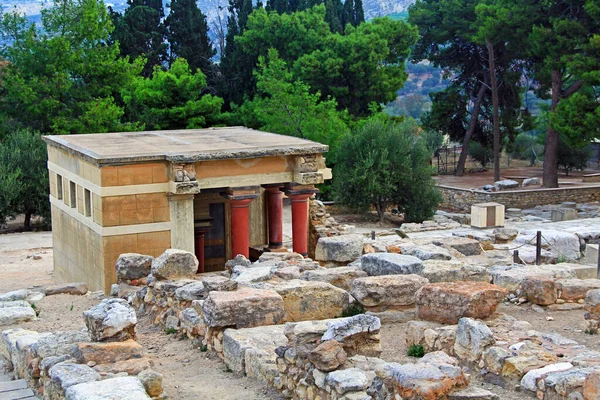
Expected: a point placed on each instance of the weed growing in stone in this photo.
(591, 331)
(416, 350)
(170, 331)
(352, 310)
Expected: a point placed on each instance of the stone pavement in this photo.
(14, 390)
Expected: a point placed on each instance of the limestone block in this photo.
(342, 328)
(21, 356)
(8, 341)
(426, 252)
(238, 260)
(540, 290)
(306, 334)
(505, 235)
(516, 367)
(175, 264)
(425, 381)
(453, 271)
(75, 288)
(591, 254)
(591, 386)
(506, 184)
(191, 291)
(152, 382)
(247, 275)
(15, 315)
(328, 356)
(566, 383)
(529, 380)
(564, 214)
(64, 375)
(576, 289)
(58, 343)
(387, 291)
(449, 301)
(243, 308)
(464, 245)
(305, 301)
(472, 393)
(218, 283)
(510, 276)
(347, 380)
(132, 266)
(561, 243)
(341, 277)
(236, 342)
(493, 359)
(126, 388)
(18, 303)
(438, 357)
(112, 320)
(472, 338)
(261, 365)
(20, 294)
(105, 353)
(375, 264)
(343, 248)
(193, 322)
(531, 182)
(592, 303)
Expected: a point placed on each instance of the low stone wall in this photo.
(459, 199)
(322, 224)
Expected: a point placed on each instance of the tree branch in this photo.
(568, 92)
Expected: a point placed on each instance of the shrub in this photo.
(383, 163)
(416, 350)
(352, 310)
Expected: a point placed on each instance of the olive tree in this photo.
(386, 163)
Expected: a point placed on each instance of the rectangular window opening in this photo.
(87, 199)
(59, 187)
(73, 194)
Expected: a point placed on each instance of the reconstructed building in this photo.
(214, 192)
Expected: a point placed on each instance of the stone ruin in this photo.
(310, 328)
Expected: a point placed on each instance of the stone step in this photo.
(16, 390)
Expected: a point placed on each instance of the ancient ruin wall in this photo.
(462, 199)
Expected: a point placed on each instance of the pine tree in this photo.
(141, 32)
(187, 33)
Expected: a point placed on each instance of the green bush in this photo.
(385, 163)
(352, 310)
(523, 145)
(480, 153)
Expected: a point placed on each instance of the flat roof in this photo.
(184, 146)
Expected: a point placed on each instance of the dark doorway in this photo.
(214, 239)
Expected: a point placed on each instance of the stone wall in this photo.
(322, 224)
(462, 199)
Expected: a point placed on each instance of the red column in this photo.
(240, 239)
(300, 222)
(275, 216)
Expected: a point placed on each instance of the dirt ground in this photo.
(188, 373)
(480, 178)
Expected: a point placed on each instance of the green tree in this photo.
(464, 38)
(565, 46)
(286, 106)
(384, 163)
(23, 177)
(364, 66)
(62, 77)
(187, 33)
(573, 156)
(237, 81)
(141, 32)
(172, 99)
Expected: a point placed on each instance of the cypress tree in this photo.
(187, 33)
(141, 32)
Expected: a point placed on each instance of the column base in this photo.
(275, 250)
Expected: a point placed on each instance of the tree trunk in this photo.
(380, 210)
(550, 174)
(27, 223)
(462, 160)
(496, 118)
